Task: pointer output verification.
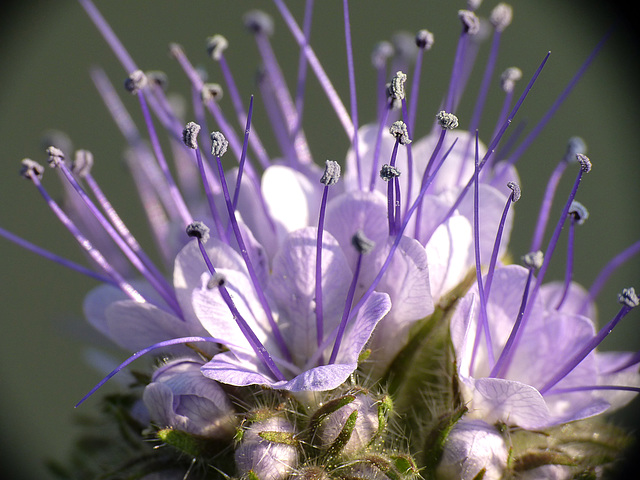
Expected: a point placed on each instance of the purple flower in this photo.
(544, 371)
(473, 446)
(179, 397)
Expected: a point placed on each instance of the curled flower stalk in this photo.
(352, 317)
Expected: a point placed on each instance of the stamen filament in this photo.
(314, 63)
(55, 258)
(484, 322)
(248, 333)
(586, 350)
(347, 308)
(95, 254)
(568, 274)
(352, 90)
(247, 260)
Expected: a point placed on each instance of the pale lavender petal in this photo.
(292, 286)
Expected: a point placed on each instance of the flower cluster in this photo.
(354, 321)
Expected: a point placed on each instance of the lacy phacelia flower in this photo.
(473, 448)
(303, 301)
(542, 369)
(180, 397)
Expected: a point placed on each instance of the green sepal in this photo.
(480, 475)
(343, 437)
(251, 475)
(285, 438)
(364, 355)
(437, 437)
(385, 405)
(192, 445)
(405, 465)
(584, 445)
(327, 409)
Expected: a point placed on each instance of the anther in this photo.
(447, 120)
(399, 130)
(470, 22)
(217, 280)
(219, 144)
(585, 163)
(361, 243)
(331, 173)
(198, 230)
(216, 46)
(501, 16)
(424, 39)
(56, 156)
(211, 91)
(82, 163)
(628, 297)
(574, 146)
(533, 259)
(158, 79)
(474, 4)
(31, 168)
(509, 78)
(579, 212)
(381, 53)
(387, 172)
(396, 87)
(259, 22)
(135, 82)
(516, 193)
(190, 135)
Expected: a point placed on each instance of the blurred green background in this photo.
(46, 51)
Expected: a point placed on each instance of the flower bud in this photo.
(471, 447)
(352, 427)
(268, 449)
(181, 398)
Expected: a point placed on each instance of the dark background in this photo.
(46, 49)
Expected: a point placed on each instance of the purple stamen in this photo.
(218, 149)
(352, 90)
(245, 144)
(507, 82)
(390, 174)
(126, 287)
(193, 130)
(399, 234)
(405, 119)
(330, 177)
(424, 41)
(608, 270)
(587, 388)
(232, 88)
(153, 277)
(55, 258)
(496, 139)
(585, 166)
(484, 323)
(558, 102)
(175, 194)
(379, 57)
(470, 26)
(576, 145)
(446, 122)
(500, 368)
(629, 300)
(256, 345)
(568, 274)
(376, 150)
(303, 67)
(256, 21)
(315, 65)
(144, 351)
(514, 197)
(109, 36)
(364, 246)
(143, 157)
